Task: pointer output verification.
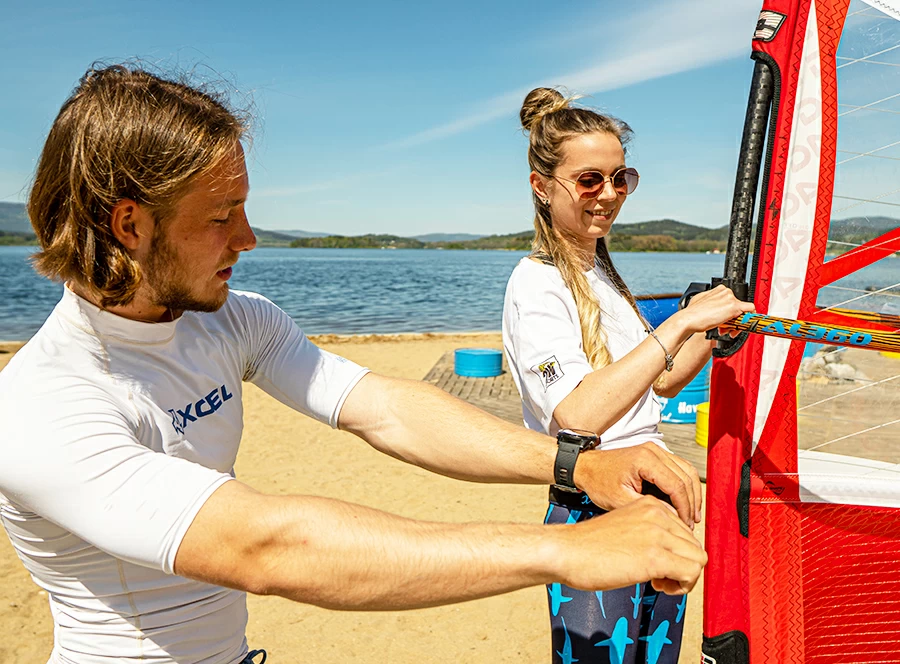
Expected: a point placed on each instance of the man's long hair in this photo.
(124, 133)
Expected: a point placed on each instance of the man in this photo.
(120, 420)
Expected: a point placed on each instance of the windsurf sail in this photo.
(803, 503)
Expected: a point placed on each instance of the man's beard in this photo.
(169, 281)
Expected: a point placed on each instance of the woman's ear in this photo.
(538, 186)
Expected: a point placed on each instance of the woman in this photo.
(583, 358)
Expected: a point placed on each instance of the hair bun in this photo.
(538, 103)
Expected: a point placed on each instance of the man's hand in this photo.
(613, 478)
(643, 540)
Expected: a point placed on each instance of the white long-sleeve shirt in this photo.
(113, 433)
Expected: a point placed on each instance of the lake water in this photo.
(354, 291)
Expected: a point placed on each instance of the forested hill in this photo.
(656, 235)
(662, 235)
(14, 219)
(677, 230)
(15, 229)
(667, 235)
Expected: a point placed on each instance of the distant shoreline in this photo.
(13, 345)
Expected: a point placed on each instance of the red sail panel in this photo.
(787, 570)
(860, 257)
(734, 382)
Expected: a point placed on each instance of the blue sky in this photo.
(401, 117)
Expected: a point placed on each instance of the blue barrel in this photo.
(477, 362)
(682, 409)
(657, 308)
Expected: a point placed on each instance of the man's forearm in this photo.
(425, 426)
(343, 556)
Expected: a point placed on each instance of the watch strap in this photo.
(564, 468)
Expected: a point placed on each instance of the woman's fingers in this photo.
(714, 307)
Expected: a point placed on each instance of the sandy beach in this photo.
(281, 453)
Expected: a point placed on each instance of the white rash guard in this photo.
(542, 341)
(113, 433)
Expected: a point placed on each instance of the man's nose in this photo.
(244, 238)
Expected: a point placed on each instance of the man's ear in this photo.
(132, 224)
(538, 185)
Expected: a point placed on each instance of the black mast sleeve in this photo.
(746, 184)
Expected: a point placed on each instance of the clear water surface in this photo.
(356, 291)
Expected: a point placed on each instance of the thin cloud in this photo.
(343, 181)
(271, 192)
(705, 34)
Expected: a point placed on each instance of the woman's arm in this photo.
(605, 395)
(692, 357)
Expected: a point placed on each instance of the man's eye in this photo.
(220, 221)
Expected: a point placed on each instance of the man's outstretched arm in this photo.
(343, 556)
(425, 426)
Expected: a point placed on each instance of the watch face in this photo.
(584, 439)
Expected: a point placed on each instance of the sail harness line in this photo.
(851, 435)
(855, 290)
(865, 58)
(867, 11)
(870, 153)
(844, 244)
(860, 297)
(874, 103)
(872, 156)
(875, 201)
(872, 62)
(873, 110)
(843, 394)
(836, 420)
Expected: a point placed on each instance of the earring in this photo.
(545, 201)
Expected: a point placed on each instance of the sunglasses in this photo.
(590, 183)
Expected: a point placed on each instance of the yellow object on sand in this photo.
(701, 433)
(888, 353)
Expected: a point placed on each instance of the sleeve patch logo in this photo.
(549, 371)
(768, 25)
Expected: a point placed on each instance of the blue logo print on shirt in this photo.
(205, 406)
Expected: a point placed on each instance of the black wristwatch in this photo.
(570, 444)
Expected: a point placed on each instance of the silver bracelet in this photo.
(670, 361)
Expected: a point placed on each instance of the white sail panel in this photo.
(798, 215)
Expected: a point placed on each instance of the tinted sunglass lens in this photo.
(626, 180)
(589, 183)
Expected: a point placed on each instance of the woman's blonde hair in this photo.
(124, 133)
(550, 120)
